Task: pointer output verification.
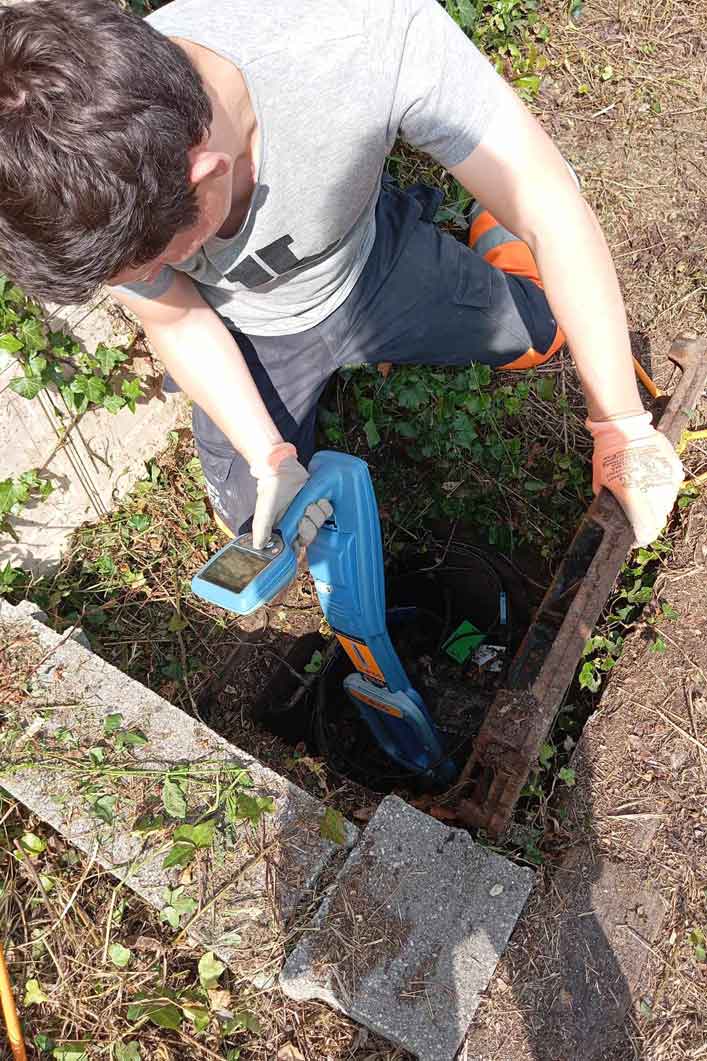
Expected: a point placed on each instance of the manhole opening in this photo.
(428, 599)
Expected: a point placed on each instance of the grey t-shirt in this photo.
(332, 83)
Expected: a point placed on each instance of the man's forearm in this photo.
(204, 359)
(518, 174)
(583, 291)
(202, 356)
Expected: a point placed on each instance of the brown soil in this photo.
(637, 816)
(638, 142)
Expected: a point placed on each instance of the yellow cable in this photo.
(653, 390)
(9, 1012)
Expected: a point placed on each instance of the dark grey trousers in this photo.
(423, 298)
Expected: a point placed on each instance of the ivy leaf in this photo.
(198, 1015)
(112, 723)
(697, 942)
(546, 754)
(119, 955)
(105, 566)
(113, 403)
(197, 510)
(173, 798)
(243, 1020)
(140, 522)
(73, 1051)
(170, 915)
(31, 334)
(333, 826)
(203, 833)
(127, 1052)
(32, 844)
(567, 775)
(8, 495)
(104, 808)
(210, 970)
(34, 996)
(131, 389)
(180, 855)
(182, 903)
(372, 435)
(96, 617)
(177, 905)
(315, 664)
(108, 357)
(406, 430)
(164, 1016)
(89, 388)
(148, 823)
(412, 396)
(588, 678)
(545, 388)
(249, 808)
(9, 343)
(130, 738)
(27, 387)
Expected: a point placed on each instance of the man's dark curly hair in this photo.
(97, 114)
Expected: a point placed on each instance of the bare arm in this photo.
(204, 359)
(518, 174)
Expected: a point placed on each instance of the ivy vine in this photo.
(54, 362)
(55, 359)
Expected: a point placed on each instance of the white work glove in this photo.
(641, 469)
(280, 478)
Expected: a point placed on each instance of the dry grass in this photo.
(60, 912)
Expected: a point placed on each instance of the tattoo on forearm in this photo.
(641, 469)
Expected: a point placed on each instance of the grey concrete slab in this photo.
(249, 889)
(101, 456)
(412, 932)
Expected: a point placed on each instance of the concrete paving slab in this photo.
(412, 932)
(248, 886)
(99, 461)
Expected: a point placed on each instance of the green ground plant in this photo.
(18, 491)
(469, 440)
(511, 33)
(633, 593)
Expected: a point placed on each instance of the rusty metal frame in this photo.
(522, 714)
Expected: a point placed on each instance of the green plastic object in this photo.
(463, 641)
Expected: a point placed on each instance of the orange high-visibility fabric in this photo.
(514, 257)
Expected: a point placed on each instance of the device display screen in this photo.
(234, 569)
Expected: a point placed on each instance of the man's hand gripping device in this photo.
(346, 562)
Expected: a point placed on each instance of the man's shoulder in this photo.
(247, 33)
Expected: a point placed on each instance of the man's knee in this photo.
(230, 488)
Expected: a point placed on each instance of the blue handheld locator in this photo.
(346, 562)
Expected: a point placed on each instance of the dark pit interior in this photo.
(428, 597)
